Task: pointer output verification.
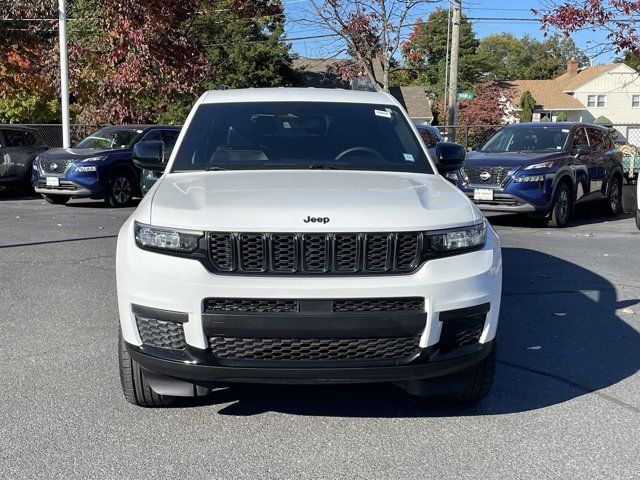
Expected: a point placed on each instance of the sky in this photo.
(516, 10)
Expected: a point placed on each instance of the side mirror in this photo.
(580, 150)
(449, 156)
(148, 155)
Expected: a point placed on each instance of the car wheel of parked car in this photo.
(614, 199)
(119, 190)
(56, 199)
(560, 208)
(135, 388)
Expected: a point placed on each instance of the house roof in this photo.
(552, 94)
(571, 82)
(414, 100)
(547, 93)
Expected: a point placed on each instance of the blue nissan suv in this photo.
(544, 169)
(100, 166)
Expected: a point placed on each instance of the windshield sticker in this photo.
(382, 113)
(408, 157)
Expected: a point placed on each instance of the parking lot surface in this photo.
(566, 402)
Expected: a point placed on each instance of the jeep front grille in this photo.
(315, 253)
(340, 305)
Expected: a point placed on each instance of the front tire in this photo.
(119, 190)
(56, 199)
(614, 199)
(135, 387)
(560, 208)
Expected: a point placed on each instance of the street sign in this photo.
(465, 95)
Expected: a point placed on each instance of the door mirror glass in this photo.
(449, 156)
(148, 155)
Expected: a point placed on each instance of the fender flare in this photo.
(561, 174)
(617, 169)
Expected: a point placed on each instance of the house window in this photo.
(597, 101)
(635, 101)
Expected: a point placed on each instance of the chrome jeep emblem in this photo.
(54, 166)
(485, 176)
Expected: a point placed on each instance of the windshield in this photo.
(109, 137)
(300, 135)
(527, 139)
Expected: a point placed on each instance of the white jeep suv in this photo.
(305, 236)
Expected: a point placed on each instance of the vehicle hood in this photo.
(78, 153)
(280, 201)
(509, 159)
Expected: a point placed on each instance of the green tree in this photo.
(527, 105)
(562, 117)
(507, 57)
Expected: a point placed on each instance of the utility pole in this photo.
(452, 117)
(446, 67)
(64, 73)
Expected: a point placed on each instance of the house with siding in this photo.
(584, 94)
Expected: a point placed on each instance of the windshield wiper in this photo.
(215, 168)
(323, 167)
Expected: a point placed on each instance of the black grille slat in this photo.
(459, 332)
(315, 253)
(495, 179)
(262, 305)
(377, 252)
(157, 333)
(284, 253)
(313, 349)
(252, 253)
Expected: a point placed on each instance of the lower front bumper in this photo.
(505, 202)
(430, 363)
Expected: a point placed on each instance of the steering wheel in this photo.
(348, 151)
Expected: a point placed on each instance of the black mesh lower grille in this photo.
(408, 304)
(458, 332)
(265, 305)
(157, 333)
(313, 349)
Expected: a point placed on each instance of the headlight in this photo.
(539, 165)
(88, 168)
(185, 241)
(462, 238)
(529, 178)
(95, 159)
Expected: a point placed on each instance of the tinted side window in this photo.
(152, 135)
(428, 137)
(597, 139)
(15, 138)
(580, 138)
(169, 137)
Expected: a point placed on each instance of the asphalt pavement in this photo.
(565, 405)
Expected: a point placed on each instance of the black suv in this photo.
(19, 146)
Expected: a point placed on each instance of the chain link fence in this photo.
(52, 133)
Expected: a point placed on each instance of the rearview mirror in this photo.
(449, 156)
(581, 150)
(148, 155)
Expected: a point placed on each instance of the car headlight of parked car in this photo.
(94, 159)
(171, 240)
(539, 166)
(463, 238)
(86, 168)
(529, 178)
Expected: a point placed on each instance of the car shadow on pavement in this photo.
(561, 337)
